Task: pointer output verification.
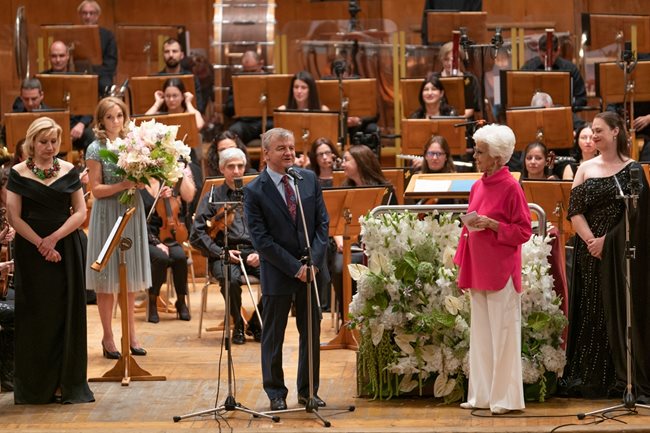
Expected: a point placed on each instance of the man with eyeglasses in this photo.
(89, 12)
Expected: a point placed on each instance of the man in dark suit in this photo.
(277, 233)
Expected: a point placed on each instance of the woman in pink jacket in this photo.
(489, 256)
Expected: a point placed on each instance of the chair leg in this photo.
(204, 303)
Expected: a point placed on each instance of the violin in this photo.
(218, 223)
(168, 209)
(6, 274)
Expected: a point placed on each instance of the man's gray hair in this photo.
(274, 134)
(227, 155)
(499, 139)
(541, 99)
(31, 83)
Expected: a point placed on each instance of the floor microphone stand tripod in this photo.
(629, 398)
(312, 405)
(230, 404)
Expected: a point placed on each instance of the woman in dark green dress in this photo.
(46, 207)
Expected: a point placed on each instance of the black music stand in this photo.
(344, 207)
(126, 369)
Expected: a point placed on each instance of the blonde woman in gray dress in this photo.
(106, 185)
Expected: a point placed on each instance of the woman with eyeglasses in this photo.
(324, 157)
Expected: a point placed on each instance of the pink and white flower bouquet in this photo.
(149, 150)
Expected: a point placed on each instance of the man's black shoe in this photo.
(303, 401)
(278, 403)
(238, 336)
(254, 332)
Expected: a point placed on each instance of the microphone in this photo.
(339, 67)
(123, 88)
(210, 197)
(635, 185)
(238, 194)
(497, 42)
(294, 173)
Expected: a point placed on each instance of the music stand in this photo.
(443, 185)
(135, 40)
(344, 207)
(361, 94)
(307, 126)
(601, 29)
(410, 89)
(440, 25)
(610, 85)
(76, 93)
(143, 89)
(518, 87)
(126, 369)
(417, 132)
(551, 126)
(257, 95)
(16, 125)
(187, 130)
(82, 40)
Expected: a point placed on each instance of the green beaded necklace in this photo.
(47, 173)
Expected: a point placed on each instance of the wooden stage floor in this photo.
(192, 369)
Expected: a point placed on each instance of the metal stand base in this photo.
(312, 408)
(230, 405)
(629, 404)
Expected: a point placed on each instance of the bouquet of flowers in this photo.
(414, 321)
(148, 150)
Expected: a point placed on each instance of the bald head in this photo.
(59, 56)
(250, 62)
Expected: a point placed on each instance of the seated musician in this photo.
(208, 237)
(173, 98)
(223, 141)
(470, 82)
(536, 163)
(433, 102)
(173, 55)
(303, 94)
(583, 150)
(558, 64)
(324, 158)
(166, 234)
(81, 130)
(247, 128)
(362, 168)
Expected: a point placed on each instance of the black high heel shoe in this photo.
(138, 351)
(182, 312)
(109, 354)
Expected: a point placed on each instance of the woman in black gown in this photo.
(596, 343)
(50, 326)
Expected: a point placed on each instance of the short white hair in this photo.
(227, 155)
(499, 139)
(541, 99)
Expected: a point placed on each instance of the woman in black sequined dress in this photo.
(596, 343)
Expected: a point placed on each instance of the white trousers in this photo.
(495, 379)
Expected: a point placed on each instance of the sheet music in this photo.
(102, 253)
(428, 185)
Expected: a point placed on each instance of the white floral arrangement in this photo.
(149, 150)
(414, 321)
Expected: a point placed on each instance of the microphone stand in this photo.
(629, 399)
(230, 404)
(343, 114)
(311, 406)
